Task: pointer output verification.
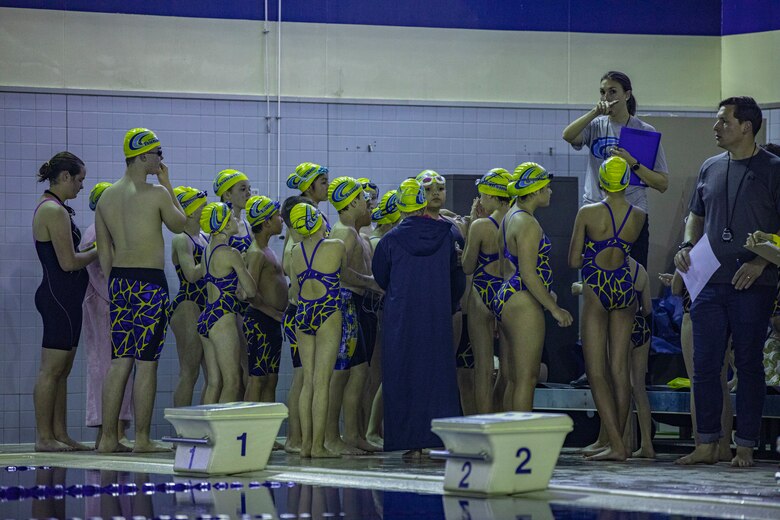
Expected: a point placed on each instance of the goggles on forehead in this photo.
(428, 179)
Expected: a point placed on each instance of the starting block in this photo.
(224, 438)
(502, 453)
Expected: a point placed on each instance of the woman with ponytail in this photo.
(599, 130)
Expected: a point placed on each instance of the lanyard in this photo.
(730, 213)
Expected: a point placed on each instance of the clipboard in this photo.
(643, 146)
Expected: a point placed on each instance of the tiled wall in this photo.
(202, 136)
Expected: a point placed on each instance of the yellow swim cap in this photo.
(226, 179)
(342, 191)
(189, 198)
(428, 177)
(614, 174)
(96, 192)
(305, 219)
(494, 182)
(387, 211)
(304, 175)
(259, 209)
(411, 196)
(139, 141)
(215, 217)
(528, 178)
(368, 185)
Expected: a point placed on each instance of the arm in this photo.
(172, 214)
(694, 229)
(457, 280)
(244, 278)
(643, 284)
(473, 245)
(572, 134)
(577, 241)
(657, 180)
(183, 249)
(58, 225)
(380, 265)
(105, 244)
(528, 235)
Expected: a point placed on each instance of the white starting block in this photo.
(500, 454)
(224, 438)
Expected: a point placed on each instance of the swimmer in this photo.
(263, 320)
(351, 370)
(312, 181)
(228, 281)
(601, 247)
(371, 192)
(481, 259)
(128, 222)
(525, 294)
(59, 298)
(316, 267)
(187, 255)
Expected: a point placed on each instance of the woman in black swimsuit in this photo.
(59, 297)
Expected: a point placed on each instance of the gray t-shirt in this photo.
(599, 136)
(753, 206)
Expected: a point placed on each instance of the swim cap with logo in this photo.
(260, 208)
(387, 211)
(139, 141)
(226, 179)
(97, 191)
(189, 198)
(494, 182)
(342, 191)
(304, 175)
(411, 196)
(528, 178)
(614, 174)
(305, 219)
(215, 217)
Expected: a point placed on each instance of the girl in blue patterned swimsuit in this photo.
(600, 247)
(225, 272)
(525, 293)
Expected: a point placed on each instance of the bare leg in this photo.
(327, 340)
(526, 340)
(189, 349)
(595, 322)
(621, 323)
(686, 339)
(338, 389)
(268, 392)
(254, 388)
(354, 436)
(113, 392)
(144, 393)
(53, 364)
(214, 381)
(60, 423)
(481, 327)
(638, 371)
(293, 443)
(374, 433)
(506, 362)
(228, 354)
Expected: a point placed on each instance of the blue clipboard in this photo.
(643, 146)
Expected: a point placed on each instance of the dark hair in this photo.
(772, 148)
(745, 109)
(63, 161)
(130, 160)
(625, 82)
(288, 204)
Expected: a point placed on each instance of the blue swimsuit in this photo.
(486, 285)
(226, 302)
(615, 287)
(191, 291)
(515, 283)
(311, 314)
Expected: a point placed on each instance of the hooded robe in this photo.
(416, 264)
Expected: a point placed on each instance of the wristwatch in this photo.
(636, 166)
(684, 245)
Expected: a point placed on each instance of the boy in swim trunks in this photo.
(262, 321)
(348, 382)
(128, 222)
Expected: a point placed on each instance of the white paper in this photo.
(703, 266)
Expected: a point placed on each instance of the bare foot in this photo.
(51, 445)
(702, 454)
(278, 446)
(412, 456)
(75, 446)
(342, 448)
(644, 453)
(376, 440)
(724, 453)
(362, 444)
(324, 453)
(290, 447)
(608, 454)
(150, 447)
(743, 458)
(596, 447)
(305, 453)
